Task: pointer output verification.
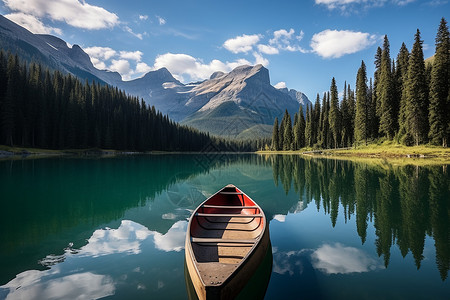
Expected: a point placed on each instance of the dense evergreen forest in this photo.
(408, 102)
(51, 110)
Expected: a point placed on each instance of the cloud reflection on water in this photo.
(60, 282)
(34, 284)
(340, 259)
(328, 258)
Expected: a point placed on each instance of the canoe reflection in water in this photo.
(228, 253)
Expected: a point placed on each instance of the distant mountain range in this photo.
(241, 103)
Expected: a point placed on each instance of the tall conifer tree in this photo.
(385, 94)
(334, 114)
(416, 95)
(439, 88)
(362, 107)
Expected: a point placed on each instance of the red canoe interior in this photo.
(223, 231)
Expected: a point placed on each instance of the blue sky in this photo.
(302, 43)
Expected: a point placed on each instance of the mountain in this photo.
(240, 103)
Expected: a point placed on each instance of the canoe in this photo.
(226, 240)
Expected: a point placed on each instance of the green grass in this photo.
(382, 153)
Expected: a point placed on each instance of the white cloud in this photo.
(243, 43)
(403, 2)
(280, 85)
(347, 6)
(122, 66)
(332, 4)
(143, 17)
(259, 59)
(133, 55)
(129, 30)
(100, 52)
(267, 49)
(339, 259)
(161, 20)
(334, 43)
(127, 63)
(283, 40)
(142, 68)
(187, 68)
(32, 23)
(73, 12)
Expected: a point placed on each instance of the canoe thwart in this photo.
(219, 240)
(228, 206)
(230, 215)
(231, 193)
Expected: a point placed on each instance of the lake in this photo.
(114, 227)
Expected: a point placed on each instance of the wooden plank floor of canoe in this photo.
(216, 261)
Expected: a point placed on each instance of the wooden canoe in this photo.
(226, 240)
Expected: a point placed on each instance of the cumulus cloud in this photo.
(143, 17)
(100, 52)
(73, 12)
(286, 40)
(133, 55)
(185, 67)
(128, 63)
(267, 49)
(259, 59)
(335, 43)
(32, 23)
(242, 44)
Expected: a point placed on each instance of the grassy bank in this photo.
(395, 153)
(7, 152)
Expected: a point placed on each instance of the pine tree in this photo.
(281, 134)
(376, 92)
(308, 128)
(439, 87)
(275, 138)
(287, 136)
(416, 94)
(301, 128)
(385, 92)
(334, 114)
(352, 107)
(315, 120)
(362, 107)
(401, 77)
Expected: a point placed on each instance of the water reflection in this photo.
(405, 203)
(61, 281)
(42, 285)
(340, 259)
(121, 222)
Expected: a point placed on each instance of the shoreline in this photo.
(398, 153)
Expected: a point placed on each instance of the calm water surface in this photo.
(115, 227)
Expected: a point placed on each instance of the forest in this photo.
(43, 108)
(407, 101)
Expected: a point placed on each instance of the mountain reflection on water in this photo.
(90, 228)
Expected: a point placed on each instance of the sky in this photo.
(302, 43)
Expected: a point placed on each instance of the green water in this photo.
(115, 227)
